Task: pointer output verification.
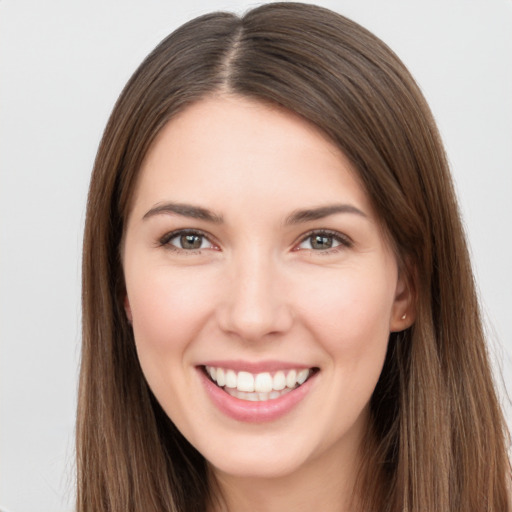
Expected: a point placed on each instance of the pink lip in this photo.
(254, 412)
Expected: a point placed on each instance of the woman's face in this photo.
(260, 288)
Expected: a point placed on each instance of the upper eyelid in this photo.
(330, 232)
(193, 231)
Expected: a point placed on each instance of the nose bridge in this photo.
(255, 302)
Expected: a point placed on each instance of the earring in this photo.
(404, 316)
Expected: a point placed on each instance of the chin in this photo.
(258, 467)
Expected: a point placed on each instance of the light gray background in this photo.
(62, 65)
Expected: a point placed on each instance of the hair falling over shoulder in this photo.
(437, 440)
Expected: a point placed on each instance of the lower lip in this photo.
(255, 412)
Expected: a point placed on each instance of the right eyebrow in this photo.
(185, 210)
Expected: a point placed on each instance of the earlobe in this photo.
(128, 309)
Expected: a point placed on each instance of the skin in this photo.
(258, 290)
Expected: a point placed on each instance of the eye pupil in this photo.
(191, 241)
(321, 242)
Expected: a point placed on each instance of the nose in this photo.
(255, 304)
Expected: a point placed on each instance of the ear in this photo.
(128, 309)
(403, 313)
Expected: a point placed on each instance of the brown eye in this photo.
(321, 241)
(190, 241)
(186, 241)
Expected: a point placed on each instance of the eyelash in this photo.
(343, 241)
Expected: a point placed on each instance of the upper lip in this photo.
(239, 365)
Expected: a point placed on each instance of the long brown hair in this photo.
(438, 438)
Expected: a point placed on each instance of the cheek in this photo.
(351, 322)
(168, 310)
(350, 315)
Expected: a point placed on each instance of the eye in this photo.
(324, 241)
(186, 240)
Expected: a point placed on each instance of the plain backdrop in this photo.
(62, 65)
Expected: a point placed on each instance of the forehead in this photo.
(229, 148)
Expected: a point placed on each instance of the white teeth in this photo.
(245, 382)
(221, 379)
(231, 379)
(256, 397)
(261, 386)
(291, 379)
(279, 381)
(302, 376)
(263, 383)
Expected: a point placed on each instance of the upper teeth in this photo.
(259, 382)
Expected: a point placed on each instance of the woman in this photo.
(279, 310)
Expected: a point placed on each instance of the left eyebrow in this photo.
(321, 212)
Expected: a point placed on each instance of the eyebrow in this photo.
(296, 217)
(185, 210)
(321, 212)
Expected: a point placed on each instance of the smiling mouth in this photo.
(259, 387)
